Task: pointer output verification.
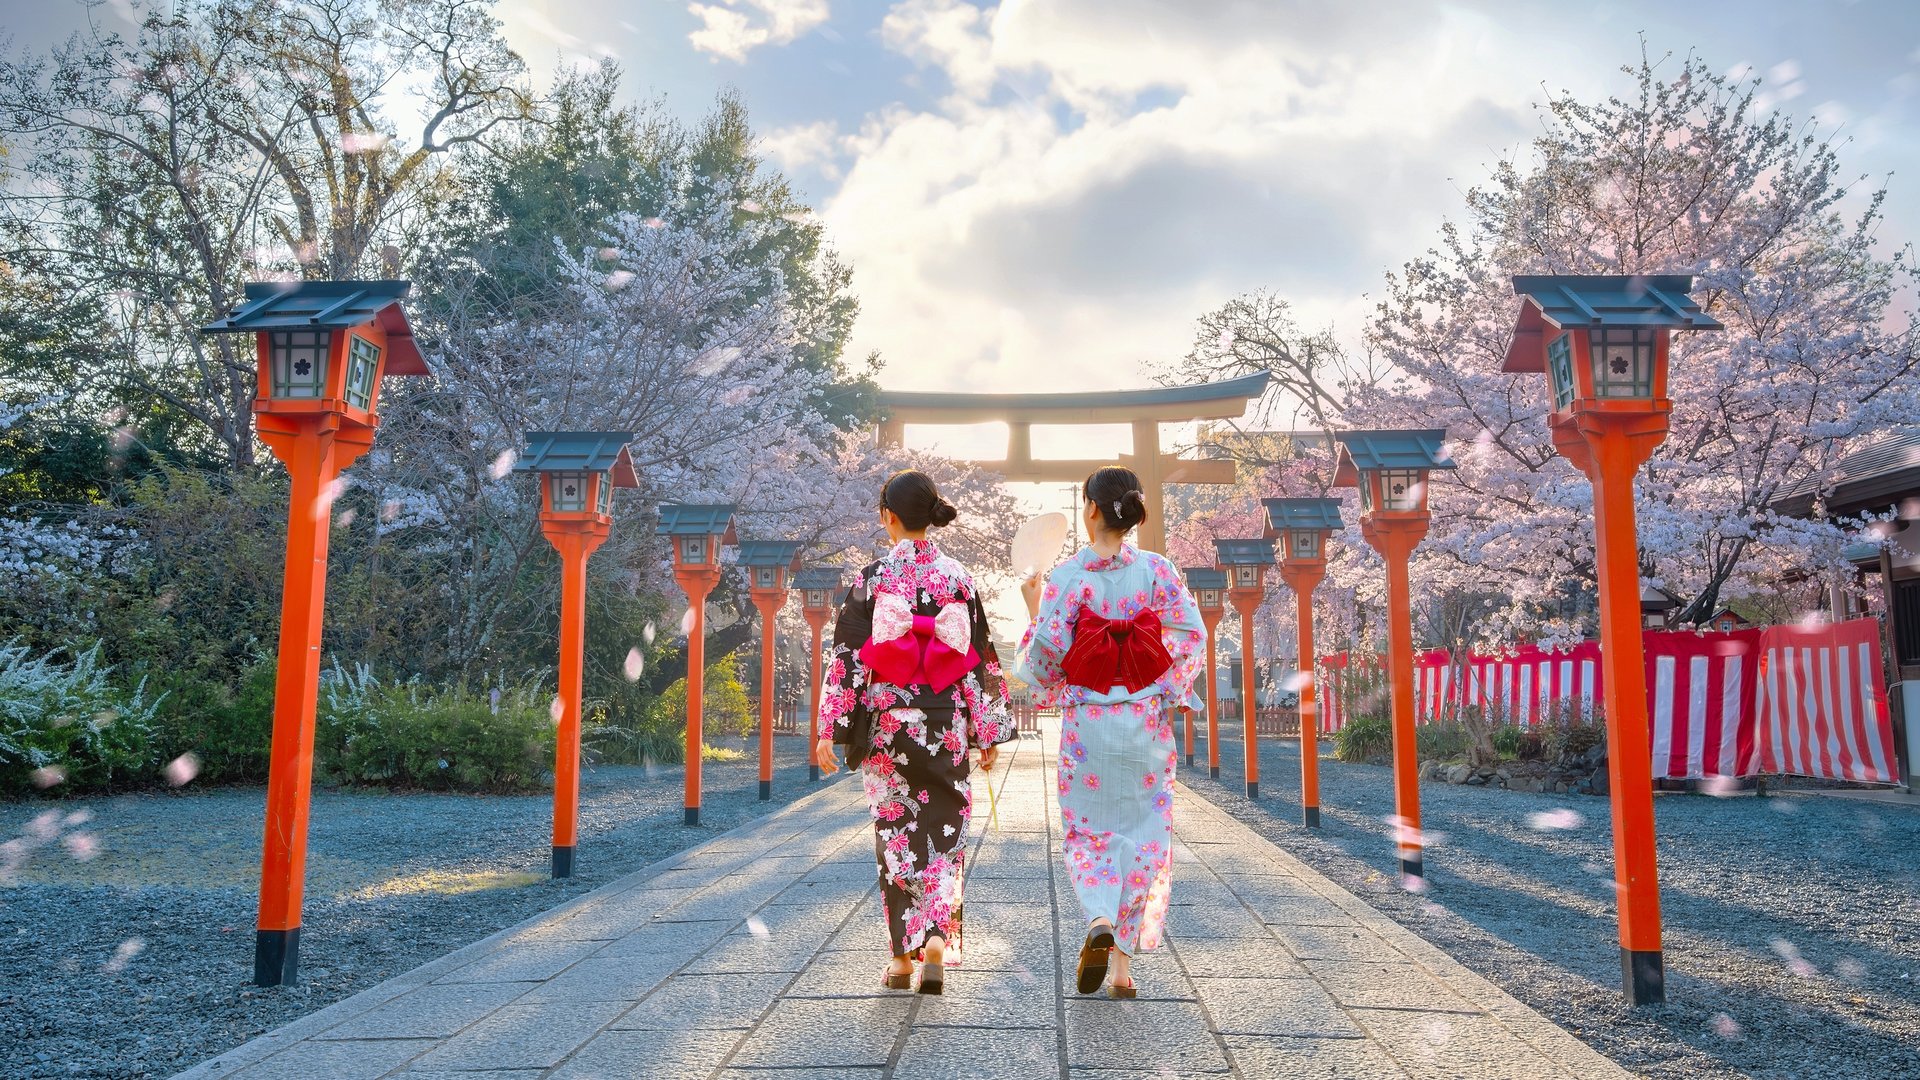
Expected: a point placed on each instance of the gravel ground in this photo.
(1792, 922)
(126, 940)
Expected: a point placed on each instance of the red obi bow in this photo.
(934, 651)
(1111, 652)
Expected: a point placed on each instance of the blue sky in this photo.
(1044, 194)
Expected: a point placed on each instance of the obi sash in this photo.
(1116, 652)
(934, 651)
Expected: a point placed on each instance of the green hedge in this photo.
(438, 739)
(65, 726)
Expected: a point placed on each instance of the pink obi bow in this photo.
(918, 650)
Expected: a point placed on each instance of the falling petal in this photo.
(1719, 786)
(686, 623)
(654, 223)
(608, 254)
(635, 665)
(557, 709)
(47, 776)
(182, 769)
(647, 632)
(331, 490)
(1413, 883)
(1724, 1026)
(82, 846)
(390, 510)
(1226, 338)
(1561, 818)
(78, 818)
(757, 928)
(124, 953)
(501, 466)
(750, 206)
(619, 279)
(345, 519)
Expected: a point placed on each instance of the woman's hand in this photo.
(1030, 592)
(823, 753)
(989, 755)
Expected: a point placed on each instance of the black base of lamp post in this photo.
(276, 957)
(1189, 761)
(1213, 772)
(1644, 976)
(693, 815)
(766, 790)
(813, 772)
(562, 861)
(1312, 817)
(1253, 789)
(1413, 868)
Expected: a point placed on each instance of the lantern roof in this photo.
(1367, 451)
(1205, 577)
(696, 519)
(819, 577)
(329, 305)
(1244, 552)
(580, 451)
(1285, 514)
(1592, 301)
(771, 553)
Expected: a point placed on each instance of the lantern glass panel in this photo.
(693, 550)
(816, 598)
(1306, 543)
(299, 363)
(1210, 597)
(1560, 371)
(603, 497)
(1622, 363)
(567, 491)
(764, 577)
(363, 362)
(1243, 574)
(1402, 489)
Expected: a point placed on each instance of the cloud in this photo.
(805, 146)
(1098, 174)
(731, 29)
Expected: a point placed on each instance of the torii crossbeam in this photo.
(1145, 410)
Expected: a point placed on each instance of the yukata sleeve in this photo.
(1181, 630)
(985, 688)
(842, 708)
(1045, 645)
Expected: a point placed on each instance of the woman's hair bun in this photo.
(913, 497)
(1118, 494)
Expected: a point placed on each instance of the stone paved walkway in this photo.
(758, 955)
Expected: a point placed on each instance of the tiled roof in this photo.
(769, 552)
(1880, 474)
(329, 305)
(1367, 450)
(1302, 514)
(1205, 577)
(1244, 552)
(695, 519)
(1583, 301)
(819, 577)
(580, 451)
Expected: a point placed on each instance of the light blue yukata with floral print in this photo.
(1117, 750)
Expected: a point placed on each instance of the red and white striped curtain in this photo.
(1804, 701)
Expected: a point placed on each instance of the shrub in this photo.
(229, 729)
(626, 727)
(1364, 737)
(68, 716)
(1510, 741)
(1441, 741)
(497, 738)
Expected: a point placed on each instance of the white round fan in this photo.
(1036, 546)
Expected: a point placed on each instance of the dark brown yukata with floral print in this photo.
(913, 683)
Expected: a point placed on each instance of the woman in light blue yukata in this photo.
(1116, 642)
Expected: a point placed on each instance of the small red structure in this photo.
(1302, 526)
(578, 471)
(698, 532)
(818, 586)
(324, 347)
(1603, 343)
(1390, 468)
(1246, 563)
(768, 562)
(1209, 586)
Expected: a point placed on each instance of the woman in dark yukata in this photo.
(912, 687)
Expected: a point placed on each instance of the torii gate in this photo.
(1145, 410)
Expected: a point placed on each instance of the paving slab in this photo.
(757, 957)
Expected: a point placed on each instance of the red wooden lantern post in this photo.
(817, 585)
(1603, 343)
(1209, 587)
(323, 348)
(1246, 563)
(1390, 468)
(1302, 526)
(698, 532)
(578, 471)
(768, 562)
